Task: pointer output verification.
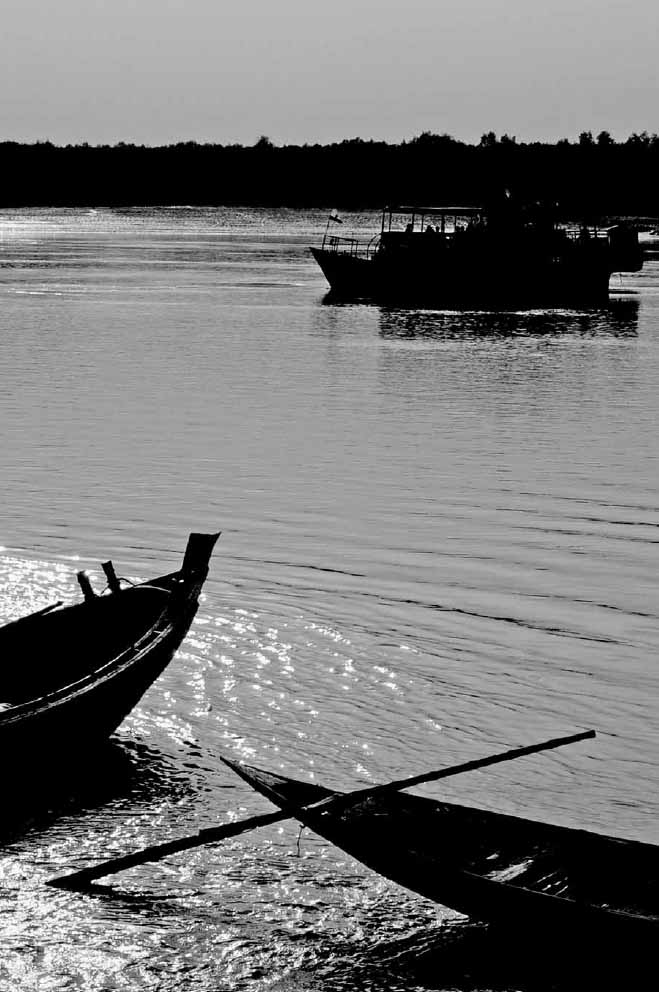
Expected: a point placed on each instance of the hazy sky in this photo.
(158, 71)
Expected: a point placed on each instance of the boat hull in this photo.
(466, 283)
(491, 867)
(144, 625)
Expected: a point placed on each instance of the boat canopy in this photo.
(419, 216)
(436, 211)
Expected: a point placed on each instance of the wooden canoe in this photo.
(69, 675)
(491, 867)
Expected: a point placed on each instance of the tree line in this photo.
(592, 175)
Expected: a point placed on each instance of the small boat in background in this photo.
(71, 674)
(649, 242)
(503, 256)
(492, 867)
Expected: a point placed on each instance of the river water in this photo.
(440, 540)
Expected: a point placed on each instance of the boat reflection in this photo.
(618, 319)
(473, 956)
(125, 775)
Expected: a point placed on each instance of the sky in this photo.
(301, 71)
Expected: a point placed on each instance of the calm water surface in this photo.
(440, 539)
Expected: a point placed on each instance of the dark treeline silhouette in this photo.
(592, 176)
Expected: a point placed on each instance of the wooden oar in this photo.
(213, 835)
(397, 785)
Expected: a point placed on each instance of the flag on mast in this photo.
(334, 216)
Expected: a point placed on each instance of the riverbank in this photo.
(585, 178)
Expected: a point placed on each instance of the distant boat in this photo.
(70, 674)
(491, 867)
(650, 243)
(477, 258)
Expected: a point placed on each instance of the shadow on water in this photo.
(618, 319)
(471, 957)
(123, 774)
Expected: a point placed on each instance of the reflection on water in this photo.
(619, 319)
(124, 774)
(470, 956)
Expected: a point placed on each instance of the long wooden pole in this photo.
(212, 835)
(340, 800)
(79, 880)
(476, 763)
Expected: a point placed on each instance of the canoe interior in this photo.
(40, 654)
(481, 863)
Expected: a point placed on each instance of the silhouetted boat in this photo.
(70, 674)
(650, 244)
(473, 257)
(491, 867)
